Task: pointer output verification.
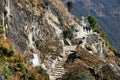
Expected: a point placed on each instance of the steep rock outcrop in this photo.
(46, 32)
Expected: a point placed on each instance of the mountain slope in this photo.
(41, 38)
(107, 13)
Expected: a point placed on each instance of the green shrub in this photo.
(20, 66)
(68, 33)
(25, 76)
(5, 71)
(93, 23)
(43, 72)
(1, 29)
(104, 36)
(70, 77)
(84, 76)
(95, 26)
(18, 60)
(25, 72)
(47, 77)
(111, 48)
(32, 78)
(10, 53)
(5, 52)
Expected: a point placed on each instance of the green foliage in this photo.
(104, 36)
(20, 66)
(32, 78)
(93, 23)
(5, 52)
(43, 72)
(68, 33)
(4, 70)
(2, 51)
(70, 76)
(95, 26)
(111, 48)
(10, 53)
(24, 71)
(47, 78)
(18, 60)
(84, 76)
(25, 76)
(1, 29)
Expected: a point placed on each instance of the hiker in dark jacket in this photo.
(84, 28)
(89, 28)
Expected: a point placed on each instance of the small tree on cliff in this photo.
(94, 23)
(69, 5)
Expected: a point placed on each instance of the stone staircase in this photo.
(58, 71)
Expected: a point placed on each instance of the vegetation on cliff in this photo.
(95, 27)
(1, 29)
(13, 65)
(93, 23)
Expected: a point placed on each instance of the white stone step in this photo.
(59, 68)
(59, 65)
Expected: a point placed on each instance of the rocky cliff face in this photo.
(48, 35)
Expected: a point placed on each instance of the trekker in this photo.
(89, 28)
(84, 28)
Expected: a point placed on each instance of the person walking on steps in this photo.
(84, 28)
(89, 29)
